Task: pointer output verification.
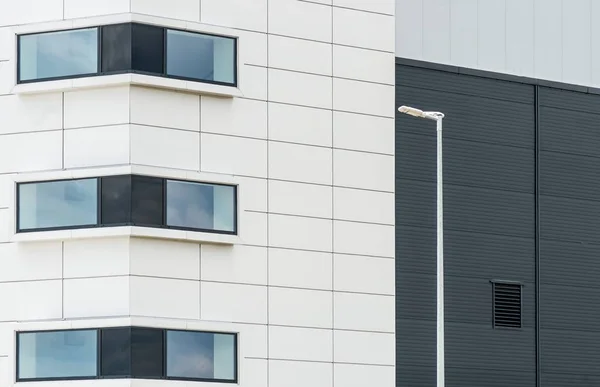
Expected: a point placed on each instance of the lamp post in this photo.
(437, 117)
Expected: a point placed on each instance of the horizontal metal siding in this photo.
(468, 300)
(554, 379)
(467, 163)
(568, 175)
(474, 209)
(570, 242)
(566, 131)
(570, 351)
(569, 307)
(569, 263)
(569, 219)
(489, 226)
(463, 251)
(477, 119)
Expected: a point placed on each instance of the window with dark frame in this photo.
(127, 352)
(126, 200)
(127, 48)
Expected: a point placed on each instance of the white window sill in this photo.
(126, 231)
(98, 81)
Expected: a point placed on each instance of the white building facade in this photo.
(197, 192)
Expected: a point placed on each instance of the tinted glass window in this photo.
(200, 206)
(201, 57)
(147, 48)
(57, 354)
(58, 54)
(116, 47)
(116, 199)
(116, 352)
(200, 355)
(147, 352)
(58, 204)
(147, 201)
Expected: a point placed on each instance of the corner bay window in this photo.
(126, 200)
(127, 352)
(127, 48)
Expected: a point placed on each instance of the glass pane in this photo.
(147, 352)
(58, 54)
(116, 200)
(116, 352)
(65, 203)
(200, 206)
(147, 201)
(202, 57)
(63, 354)
(116, 47)
(147, 47)
(200, 355)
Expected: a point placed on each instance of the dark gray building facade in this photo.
(522, 207)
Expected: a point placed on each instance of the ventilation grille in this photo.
(507, 305)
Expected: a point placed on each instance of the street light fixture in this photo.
(437, 117)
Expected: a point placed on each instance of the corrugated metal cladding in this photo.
(490, 201)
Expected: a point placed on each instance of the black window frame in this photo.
(99, 223)
(17, 361)
(100, 72)
(99, 352)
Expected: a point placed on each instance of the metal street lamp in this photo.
(437, 117)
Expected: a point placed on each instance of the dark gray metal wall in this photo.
(522, 202)
(569, 238)
(489, 218)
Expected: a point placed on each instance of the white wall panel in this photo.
(463, 32)
(300, 307)
(175, 9)
(548, 39)
(235, 116)
(31, 152)
(96, 258)
(163, 147)
(436, 31)
(300, 374)
(595, 33)
(363, 29)
(31, 300)
(520, 32)
(300, 344)
(161, 297)
(30, 113)
(358, 375)
(234, 155)
(491, 35)
(31, 11)
(85, 8)
(300, 199)
(164, 108)
(168, 259)
(299, 124)
(300, 19)
(97, 107)
(409, 28)
(364, 347)
(236, 13)
(300, 55)
(233, 302)
(96, 297)
(298, 232)
(95, 146)
(300, 269)
(577, 40)
(23, 262)
(364, 65)
(236, 264)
